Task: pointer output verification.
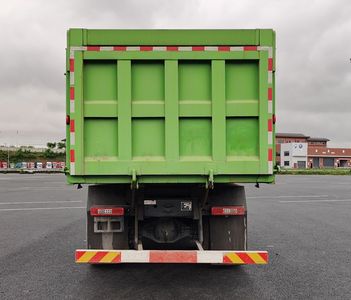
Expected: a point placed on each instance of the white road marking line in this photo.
(38, 202)
(33, 189)
(316, 201)
(286, 196)
(30, 179)
(39, 208)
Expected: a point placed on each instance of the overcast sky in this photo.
(313, 78)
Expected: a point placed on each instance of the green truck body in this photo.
(170, 106)
(163, 124)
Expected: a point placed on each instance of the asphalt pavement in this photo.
(303, 221)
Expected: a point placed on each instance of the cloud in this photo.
(313, 67)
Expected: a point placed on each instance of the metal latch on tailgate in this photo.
(210, 180)
(134, 183)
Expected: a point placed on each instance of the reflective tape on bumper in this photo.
(171, 256)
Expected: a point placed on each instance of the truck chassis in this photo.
(165, 223)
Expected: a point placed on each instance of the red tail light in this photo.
(106, 211)
(228, 211)
(274, 119)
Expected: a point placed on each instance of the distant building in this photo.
(283, 138)
(317, 142)
(324, 157)
(318, 155)
(29, 149)
(293, 155)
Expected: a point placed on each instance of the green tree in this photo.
(61, 145)
(51, 145)
(49, 153)
(18, 156)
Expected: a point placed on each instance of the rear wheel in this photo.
(106, 195)
(226, 232)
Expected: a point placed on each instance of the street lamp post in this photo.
(8, 158)
(8, 155)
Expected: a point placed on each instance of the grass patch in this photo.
(327, 171)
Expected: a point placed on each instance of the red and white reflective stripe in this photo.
(133, 48)
(228, 211)
(270, 116)
(71, 124)
(72, 110)
(185, 48)
(93, 48)
(270, 96)
(106, 48)
(119, 48)
(168, 48)
(72, 132)
(72, 162)
(266, 48)
(106, 211)
(250, 48)
(171, 256)
(71, 98)
(72, 107)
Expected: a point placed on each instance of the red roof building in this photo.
(319, 155)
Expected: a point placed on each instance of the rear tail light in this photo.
(274, 119)
(106, 211)
(228, 211)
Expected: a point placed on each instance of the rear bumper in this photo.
(171, 256)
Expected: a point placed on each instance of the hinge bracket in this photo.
(210, 180)
(134, 183)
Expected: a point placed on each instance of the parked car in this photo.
(48, 165)
(38, 165)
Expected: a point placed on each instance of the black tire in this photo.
(106, 195)
(226, 232)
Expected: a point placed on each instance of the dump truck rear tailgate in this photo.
(177, 111)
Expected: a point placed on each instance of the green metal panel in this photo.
(97, 138)
(169, 116)
(165, 37)
(245, 130)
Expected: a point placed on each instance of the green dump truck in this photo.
(163, 125)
